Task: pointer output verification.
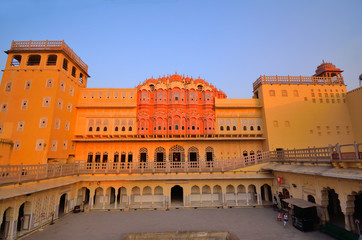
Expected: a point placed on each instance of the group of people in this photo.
(285, 217)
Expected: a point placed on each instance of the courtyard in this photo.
(244, 223)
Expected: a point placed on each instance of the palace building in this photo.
(174, 141)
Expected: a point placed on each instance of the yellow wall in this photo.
(300, 119)
(354, 103)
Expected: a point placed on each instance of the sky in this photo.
(227, 43)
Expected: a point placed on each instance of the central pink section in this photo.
(176, 105)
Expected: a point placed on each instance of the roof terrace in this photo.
(49, 45)
(297, 80)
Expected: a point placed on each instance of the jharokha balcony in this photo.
(344, 156)
(297, 80)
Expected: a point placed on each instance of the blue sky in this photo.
(228, 43)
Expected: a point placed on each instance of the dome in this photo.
(151, 80)
(175, 78)
(199, 80)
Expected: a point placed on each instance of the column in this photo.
(103, 200)
(115, 197)
(247, 197)
(92, 192)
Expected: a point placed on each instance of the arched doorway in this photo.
(5, 225)
(62, 205)
(177, 196)
(311, 199)
(266, 193)
(23, 217)
(334, 209)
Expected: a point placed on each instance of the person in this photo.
(285, 219)
(279, 218)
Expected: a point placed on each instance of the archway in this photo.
(266, 193)
(336, 215)
(311, 199)
(177, 196)
(24, 217)
(358, 210)
(83, 196)
(98, 194)
(5, 225)
(111, 196)
(62, 205)
(252, 194)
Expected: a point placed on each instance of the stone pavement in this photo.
(245, 223)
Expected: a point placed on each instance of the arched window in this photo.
(245, 153)
(227, 128)
(159, 127)
(116, 157)
(176, 127)
(244, 128)
(90, 157)
(130, 129)
(116, 129)
(251, 128)
(52, 60)
(259, 128)
(123, 129)
(234, 128)
(105, 129)
(221, 128)
(33, 60)
(16, 60)
(252, 153)
(90, 129)
(98, 129)
(193, 128)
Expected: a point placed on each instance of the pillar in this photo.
(92, 192)
(247, 197)
(115, 197)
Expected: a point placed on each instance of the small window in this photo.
(90, 129)
(116, 129)
(49, 83)
(52, 60)
(295, 93)
(67, 123)
(123, 129)
(69, 107)
(183, 128)
(46, 102)
(169, 128)
(34, 60)
(71, 90)
(98, 129)
(54, 145)
(244, 128)
(227, 128)
(8, 86)
(43, 123)
(272, 93)
(221, 128)
(4, 107)
(284, 93)
(251, 128)
(62, 85)
(65, 144)
(24, 104)
(65, 64)
(130, 129)
(105, 129)
(39, 145)
(57, 123)
(199, 87)
(259, 128)
(17, 145)
(159, 127)
(74, 71)
(234, 128)
(16, 60)
(176, 127)
(20, 126)
(60, 103)
(1, 128)
(27, 85)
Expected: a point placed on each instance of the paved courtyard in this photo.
(245, 223)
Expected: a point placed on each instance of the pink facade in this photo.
(176, 105)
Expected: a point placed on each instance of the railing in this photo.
(324, 154)
(297, 80)
(49, 45)
(21, 173)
